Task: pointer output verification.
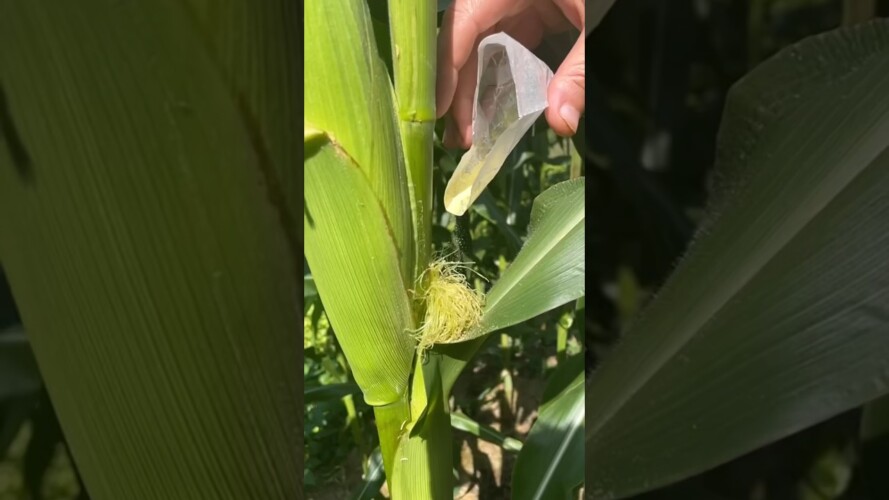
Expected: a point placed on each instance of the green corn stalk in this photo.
(368, 196)
(413, 28)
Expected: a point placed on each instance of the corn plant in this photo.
(405, 319)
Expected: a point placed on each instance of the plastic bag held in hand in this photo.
(510, 95)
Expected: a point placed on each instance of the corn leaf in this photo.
(549, 269)
(156, 284)
(777, 317)
(373, 479)
(550, 465)
(463, 423)
(320, 393)
(254, 44)
(348, 95)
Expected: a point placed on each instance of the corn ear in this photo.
(355, 264)
(348, 95)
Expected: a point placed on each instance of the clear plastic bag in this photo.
(509, 96)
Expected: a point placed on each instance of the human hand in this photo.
(467, 22)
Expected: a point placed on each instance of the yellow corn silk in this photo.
(453, 307)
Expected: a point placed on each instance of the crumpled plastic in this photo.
(509, 97)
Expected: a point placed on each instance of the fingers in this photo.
(462, 26)
(461, 107)
(565, 94)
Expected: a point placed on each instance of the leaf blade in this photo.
(550, 464)
(549, 269)
(799, 208)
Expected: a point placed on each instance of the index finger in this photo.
(463, 23)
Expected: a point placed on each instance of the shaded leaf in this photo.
(463, 423)
(155, 281)
(550, 465)
(373, 480)
(777, 317)
(252, 43)
(329, 392)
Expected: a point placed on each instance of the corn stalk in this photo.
(412, 25)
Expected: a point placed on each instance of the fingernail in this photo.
(467, 135)
(571, 116)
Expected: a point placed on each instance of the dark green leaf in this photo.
(463, 423)
(777, 317)
(329, 392)
(550, 465)
(373, 480)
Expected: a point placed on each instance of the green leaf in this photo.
(251, 43)
(463, 423)
(550, 465)
(328, 392)
(777, 317)
(373, 480)
(549, 269)
(155, 281)
(349, 96)
(354, 263)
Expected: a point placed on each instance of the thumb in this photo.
(565, 94)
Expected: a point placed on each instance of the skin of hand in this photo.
(467, 22)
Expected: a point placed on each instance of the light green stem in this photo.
(413, 32)
(391, 420)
